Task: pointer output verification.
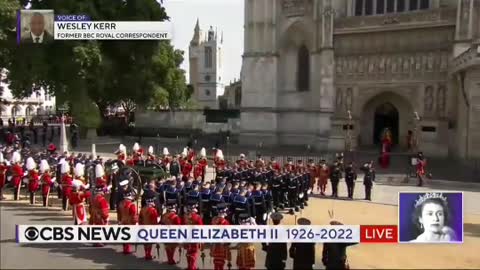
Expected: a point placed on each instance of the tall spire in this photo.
(221, 38)
(196, 40)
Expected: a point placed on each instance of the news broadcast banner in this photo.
(45, 24)
(42, 234)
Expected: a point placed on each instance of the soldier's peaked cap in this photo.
(244, 216)
(221, 206)
(304, 221)
(276, 216)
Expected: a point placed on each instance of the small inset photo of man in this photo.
(36, 26)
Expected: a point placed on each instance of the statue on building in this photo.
(211, 34)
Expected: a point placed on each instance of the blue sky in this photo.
(226, 15)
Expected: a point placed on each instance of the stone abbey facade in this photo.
(308, 64)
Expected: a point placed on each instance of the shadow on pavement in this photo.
(106, 255)
(470, 229)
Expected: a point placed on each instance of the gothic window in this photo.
(303, 69)
(359, 8)
(208, 57)
(380, 6)
(368, 7)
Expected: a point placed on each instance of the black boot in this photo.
(44, 201)
(32, 198)
(15, 194)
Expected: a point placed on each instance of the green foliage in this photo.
(85, 112)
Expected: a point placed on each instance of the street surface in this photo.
(382, 210)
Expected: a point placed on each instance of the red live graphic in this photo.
(378, 234)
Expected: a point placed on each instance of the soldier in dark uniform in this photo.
(216, 198)
(368, 179)
(175, 167)
(292, 192)
(240, 204)
(335, 175)
(303, 254)
(334, 255)
(276, 252)
(205, 206)
(259, 204)
(350, 178)
(267, 194)
(276, 186)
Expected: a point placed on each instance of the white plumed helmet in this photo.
(77, 183)
(136, 147)
(99, 171)
(122, 148)
(30, 164)
(1, 157)
(242, 155)
(16, 157)
(150, 150)
(65, 167)
(44, 166)
(220, 154)
(79, 170)
(203, 152)
(165, 151)
(184, 152)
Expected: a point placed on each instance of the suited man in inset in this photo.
(37, 33)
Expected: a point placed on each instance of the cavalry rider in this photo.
(220, 252)
(99, 209)
(192, 218)
(46, 181)
(149, 216)
(137, 153)
(17, 172)
(77, 199)
(67, 182)
(127, 215)
(246, 251)
(150, 155)
(122, 153)
(3, 175)
(171, 218)
(33, 178)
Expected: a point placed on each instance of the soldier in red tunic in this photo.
(198, 171)
(67, 182)
(149, 216)
(219, 161)
(127, 215)
(77, 198)
(242, 163)
(122, 153)
(171, 218)
(45, 181)
(220, 252)
(274, 164)
(100, 177)
(323, 175)
(203, 163)
(18, 174)
(192, 249)
(3, 175)
(33, 178)
(151, 156)
(166, 159)
(99, 209)
(191, 154)
(137, 153)
(187, 169)
(420, 168)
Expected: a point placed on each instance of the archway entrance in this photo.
(386, 116)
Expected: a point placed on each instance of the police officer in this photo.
(335, 175)
(350, 178)
(303, 254)
(334, 255)
(276, 252)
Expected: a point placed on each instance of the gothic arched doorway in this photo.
(386, 116)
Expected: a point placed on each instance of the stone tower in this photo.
(205, 56)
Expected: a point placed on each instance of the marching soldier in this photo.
(198, 171)
(191, 154)
(221, 252)
(17, 172)
(368, 179)
(192, 218)
(350, 178)
(99, 208)
(242, 163)
(187, 169)
(137, 153)
(313, 171)
(216, 198)
(203, 163)
(323, 175)
(149, 216)
(80, 172)
(122, 153)
(171, 218)
(219, 161)
(289, 165)
(175, 167)
(334, 255)
(205, 206)
(3, 175)
(100, 177)
(240, 204)
(67, 182)
(127, 215)
(335, 175)
(259, 205)
(246, 251)
(46, 181)
(33, 179)
(276, 252)
(77, 199)
(166, 159)
(293, 191)
(303, 254)
(274, 164)
(113, 182)
(277, 182)
(151, 155)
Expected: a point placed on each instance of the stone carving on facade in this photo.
(428, 99)
(441, 99)
(349, 99)
(327, 20)
(294, 8)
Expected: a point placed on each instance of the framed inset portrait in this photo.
(36, 26)
(430, 217)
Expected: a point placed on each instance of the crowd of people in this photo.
(243, 192)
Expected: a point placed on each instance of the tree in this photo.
(8, 11)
